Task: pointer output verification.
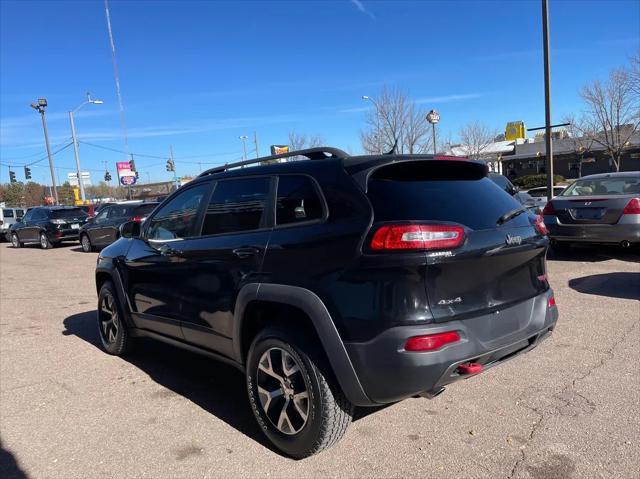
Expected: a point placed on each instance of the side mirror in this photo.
(130, 229)
(18, 220)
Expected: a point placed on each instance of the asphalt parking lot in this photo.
(569, 408)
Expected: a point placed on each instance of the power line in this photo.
(37, 161)
(18, 158)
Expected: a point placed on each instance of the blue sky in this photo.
(196, 75)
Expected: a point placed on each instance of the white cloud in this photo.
(360, 6)
(450, 98)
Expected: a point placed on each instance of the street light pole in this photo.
(41, 106)
(547, 98)
(77, 157)
(74, 139)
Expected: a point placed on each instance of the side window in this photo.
(297, 200)
(100, 217)
(19, 213)
(177, 218)
(7, 213)
(237, 205)
(39, 215)
(28, 216)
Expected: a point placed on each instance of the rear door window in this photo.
(297, 200)
(237, 205)
(7, 213)
(428, 191)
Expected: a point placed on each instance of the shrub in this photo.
(533, 181)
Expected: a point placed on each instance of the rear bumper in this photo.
(63, 235)
(388, 373)
(593, 233)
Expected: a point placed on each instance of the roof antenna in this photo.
(392, 151)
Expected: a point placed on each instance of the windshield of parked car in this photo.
(67, 213)
(603, 187)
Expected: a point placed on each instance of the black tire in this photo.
(328, 411)
(15, 241)
(85, 243)
(112, 327)
(44, 241)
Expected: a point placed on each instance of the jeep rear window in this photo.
(426, 191)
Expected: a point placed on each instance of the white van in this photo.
(8, 216)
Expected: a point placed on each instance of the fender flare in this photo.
(313, 306)
(110, 269)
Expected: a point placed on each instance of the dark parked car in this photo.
(602, 208)
(103, 229)
(522, 197)
(48, 225)
(332, 282)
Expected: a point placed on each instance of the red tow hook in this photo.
(470, 368)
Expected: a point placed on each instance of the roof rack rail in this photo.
(318, 153)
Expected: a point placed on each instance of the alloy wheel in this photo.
(108, 319)
(44, 242)
(283, 391)
(86, 244)
(15, 242)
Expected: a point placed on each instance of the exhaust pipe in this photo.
(625, 244)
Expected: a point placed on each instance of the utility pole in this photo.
(41, 106)
(255, 140)
(547, 98)
(243, 139)
(175, 176)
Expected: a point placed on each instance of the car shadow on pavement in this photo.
(595, 253)
(9, 468)
(216, 387)
(623, 285)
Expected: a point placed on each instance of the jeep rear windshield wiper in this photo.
(510, 215)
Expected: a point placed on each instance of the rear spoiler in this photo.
(435, 167)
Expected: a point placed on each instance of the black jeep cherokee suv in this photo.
(333, 282)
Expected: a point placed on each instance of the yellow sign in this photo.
(515, 130)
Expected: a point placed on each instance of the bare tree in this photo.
(396, 122)
(475, 139)
(612, 112)
(299, 141)
(581, 142)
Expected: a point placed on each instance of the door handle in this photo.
(245, 252)
(166, 250)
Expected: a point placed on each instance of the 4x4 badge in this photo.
(444, 302)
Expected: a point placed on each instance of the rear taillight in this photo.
(431, 342)
(552, 302)
(549, 210)
(538, 224)
(138, 219)
(633, 207)
(417, 237)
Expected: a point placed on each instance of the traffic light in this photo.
(27, 173)
(12, 176)
(171, 166)
(107, 176)
(132, 165)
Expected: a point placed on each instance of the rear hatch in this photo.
(497, 264)
(590, 209)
